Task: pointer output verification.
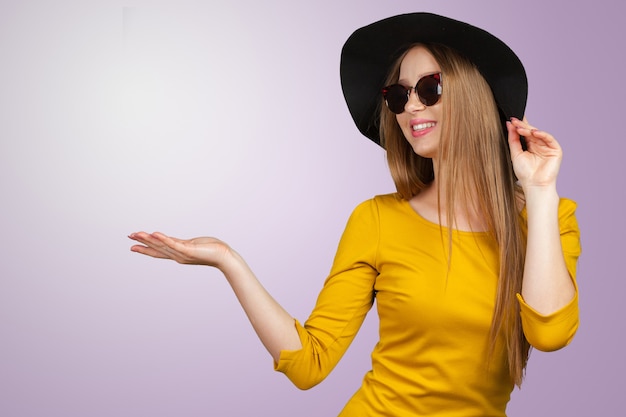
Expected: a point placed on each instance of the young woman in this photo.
(471, 261)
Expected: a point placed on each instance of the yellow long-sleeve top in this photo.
(432, 357)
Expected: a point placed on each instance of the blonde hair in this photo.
(478, 175)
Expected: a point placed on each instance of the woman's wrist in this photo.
(541, 194)
(232, 264)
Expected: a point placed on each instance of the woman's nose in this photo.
(413, 103)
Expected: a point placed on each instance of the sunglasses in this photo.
(428, 90)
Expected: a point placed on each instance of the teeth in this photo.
(422, 126)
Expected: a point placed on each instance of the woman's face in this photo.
(419, 123)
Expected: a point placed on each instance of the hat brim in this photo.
(370, 51)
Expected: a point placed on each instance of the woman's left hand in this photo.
(539, 165)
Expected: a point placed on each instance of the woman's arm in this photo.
(547, 285)
(274, 326)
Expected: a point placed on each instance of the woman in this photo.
(470, 262)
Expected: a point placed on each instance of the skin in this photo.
(417, 63)
(547, 285)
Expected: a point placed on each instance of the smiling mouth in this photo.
(422, 126)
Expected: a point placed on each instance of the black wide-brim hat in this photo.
(370, 51)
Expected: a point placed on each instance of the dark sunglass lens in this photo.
(396, 97)
(429, 89)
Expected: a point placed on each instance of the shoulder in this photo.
(380, 204)
(385, 213)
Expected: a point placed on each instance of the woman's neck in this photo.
(431, 203)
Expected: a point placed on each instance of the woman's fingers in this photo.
(145, 250)
(515, 144)
(155, 245)
(522, 127)
(537, 141)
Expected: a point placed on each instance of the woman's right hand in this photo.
(198, 251)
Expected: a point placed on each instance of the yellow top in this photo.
(434, 327)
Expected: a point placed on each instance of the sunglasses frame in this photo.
(424, 100)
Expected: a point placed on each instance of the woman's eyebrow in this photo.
(419, 76)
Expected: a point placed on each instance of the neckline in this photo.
(408, 207)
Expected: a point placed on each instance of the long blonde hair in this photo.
(475, 163)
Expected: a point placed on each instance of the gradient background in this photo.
(227, 119)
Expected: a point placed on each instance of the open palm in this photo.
(198, 251)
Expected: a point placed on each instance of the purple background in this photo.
(201, 118)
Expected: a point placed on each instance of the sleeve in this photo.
(554, 331)
(343, 303)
